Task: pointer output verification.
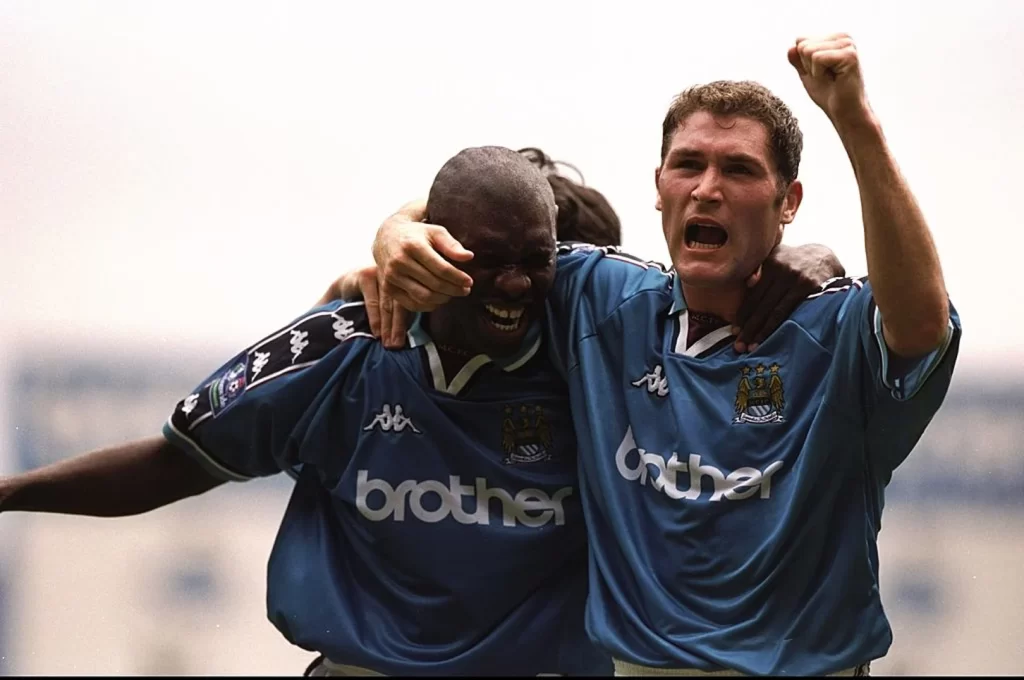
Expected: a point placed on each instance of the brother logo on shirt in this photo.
(529, 507)
(735, 486)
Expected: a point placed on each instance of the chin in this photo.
(706, 275)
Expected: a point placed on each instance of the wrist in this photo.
(856, 123)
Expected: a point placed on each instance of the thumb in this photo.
(448, 247)
(794, 59)
(755, 278)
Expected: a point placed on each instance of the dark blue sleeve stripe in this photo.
(297, 346)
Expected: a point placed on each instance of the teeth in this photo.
(506, 320)
(697, 245)
(504, 313)
(507, 327)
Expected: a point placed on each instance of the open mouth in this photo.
(505, 319)
(705, 236)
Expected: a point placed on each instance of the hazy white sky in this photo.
(197, 172)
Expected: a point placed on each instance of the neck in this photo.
(721, 302)
(444, 337)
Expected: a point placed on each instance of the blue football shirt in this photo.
(435, 527)
(734, 500)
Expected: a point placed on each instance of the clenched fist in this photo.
(830, 71)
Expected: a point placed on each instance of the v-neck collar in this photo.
(417, 336)
(680, 310)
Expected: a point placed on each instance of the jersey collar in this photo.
(417, 336)
(678, 303)
(682, 329)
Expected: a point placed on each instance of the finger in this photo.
(448, 246)
(811, 42)
(804, 48)
(755, 278)
(418, 298)
(751, 330)
(752, 300)
(371, 298)
(794, 58)
(435, 264)
(830, 61)
(415, 274)
(810, 52)
(387, 309)
(399, 325)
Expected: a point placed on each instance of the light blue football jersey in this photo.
(734, 500)
(435, 527)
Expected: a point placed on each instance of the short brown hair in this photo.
(742, 98)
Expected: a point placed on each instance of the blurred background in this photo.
(179, 178)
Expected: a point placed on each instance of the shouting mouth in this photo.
(705, 236)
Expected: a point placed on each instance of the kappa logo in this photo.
(526, 438)
(190, 403)
(298, 343)
(388, 420)
(342, 327)
(759, 397)
(262, 359)
(655, 382)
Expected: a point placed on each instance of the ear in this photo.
(657, 195)
(791, 202)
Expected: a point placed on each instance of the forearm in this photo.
(903, 264)
(128, 479)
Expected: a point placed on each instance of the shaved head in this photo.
(500, 207)
(489, 185)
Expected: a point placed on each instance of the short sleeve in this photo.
(247, 418)
(898, 396)
(590, 284)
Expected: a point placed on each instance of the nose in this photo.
(709, 189)
(513, 282)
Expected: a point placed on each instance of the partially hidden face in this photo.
(718, 193)
(513, 268)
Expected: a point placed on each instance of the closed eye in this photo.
(540, 260)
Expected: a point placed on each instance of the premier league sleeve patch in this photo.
(229, 386)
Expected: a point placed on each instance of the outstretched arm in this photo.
(122, 480)
(903, 264)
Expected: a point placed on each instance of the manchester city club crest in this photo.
(760, 398)
(525, 436)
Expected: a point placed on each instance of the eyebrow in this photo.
(731, 157)
(500, 247)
